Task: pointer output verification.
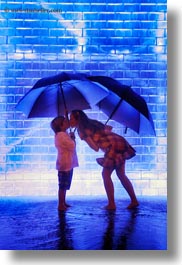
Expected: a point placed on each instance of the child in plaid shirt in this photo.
(116, 151)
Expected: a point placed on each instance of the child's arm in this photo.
(89, 141)
(65, 141)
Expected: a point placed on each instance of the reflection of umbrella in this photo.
(51, 96)
(125, 106)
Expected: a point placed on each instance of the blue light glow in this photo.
(40, 39)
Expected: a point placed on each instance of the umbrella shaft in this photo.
(65, 106)
(64, 101)
(115, 109)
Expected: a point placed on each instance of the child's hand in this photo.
(72, 135)
(108, 128)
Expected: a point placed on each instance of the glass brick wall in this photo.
(126, 40)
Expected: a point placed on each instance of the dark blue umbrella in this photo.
(59, 94)
(51, 96)
(125, 106)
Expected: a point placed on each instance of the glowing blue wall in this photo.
(122, 39)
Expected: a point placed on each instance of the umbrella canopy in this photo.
(125, 106)
(57, 79)
(51, 96)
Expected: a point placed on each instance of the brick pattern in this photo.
(126, 40)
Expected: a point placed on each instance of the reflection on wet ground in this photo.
(35, 224)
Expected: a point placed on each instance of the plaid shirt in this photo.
(115, 147)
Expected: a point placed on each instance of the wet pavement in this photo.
(31, 223)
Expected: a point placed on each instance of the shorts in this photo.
(65, 179)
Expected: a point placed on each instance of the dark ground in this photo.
(31, 223)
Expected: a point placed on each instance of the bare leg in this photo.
(127, 185)
(109, 187)
(61, 200)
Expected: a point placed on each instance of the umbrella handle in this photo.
(66, 115)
